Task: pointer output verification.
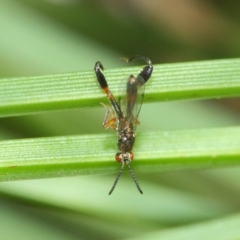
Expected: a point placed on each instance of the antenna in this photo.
(119, 175)
(117, 178)
(134, 178)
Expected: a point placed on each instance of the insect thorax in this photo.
(126, 135)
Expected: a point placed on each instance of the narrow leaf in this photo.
(194, 80)
(94, 154)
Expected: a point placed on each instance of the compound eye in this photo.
(118, 157)
(131, 156)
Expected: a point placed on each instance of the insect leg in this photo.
(109, 119)
(146, 72)
(103, 84)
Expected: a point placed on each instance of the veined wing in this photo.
(132, 100)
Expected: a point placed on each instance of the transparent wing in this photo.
(131, 101)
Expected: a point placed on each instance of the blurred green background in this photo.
(46, 37)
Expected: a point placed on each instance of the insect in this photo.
(122, 115)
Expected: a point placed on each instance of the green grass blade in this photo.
(194, 80)
(94, 154)
(221, 229)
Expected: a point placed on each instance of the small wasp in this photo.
(123, 115)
